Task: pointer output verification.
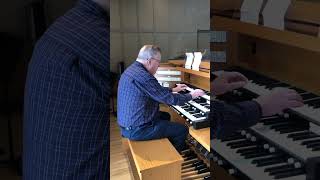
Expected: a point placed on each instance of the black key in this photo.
(298, 134)
(237, 142)
(273, 121)
(313, 145)
(200, 167)
(290, 125)
(308, 96)
(299, 91)
(295, 172)
(244, 144)
(280, 156)
(278, 167)
(253, 151)
(190, 157)
(316, 148)
(310, 142)
(280, 125)
(232, 138)
(203, 170)
(293, 129)
(198, 115)
(271, 86)
(309, 136)
(197, 163)
(281, 170)
(250, 156)
(314, 102)
(269, 162)
(244, 150)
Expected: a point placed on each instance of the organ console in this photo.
(195, 114)
(284, 146)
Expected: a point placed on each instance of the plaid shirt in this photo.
(66, 113)
(228, 118)
(139, 94)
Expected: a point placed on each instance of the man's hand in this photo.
(228, 81)
(179, 88)
(278, 100)
(196, 93)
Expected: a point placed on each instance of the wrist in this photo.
(173, 90)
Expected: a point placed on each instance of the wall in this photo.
(170, 24)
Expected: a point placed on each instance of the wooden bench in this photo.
(153, 160)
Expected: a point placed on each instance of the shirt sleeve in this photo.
(162, 94)
(228, 118)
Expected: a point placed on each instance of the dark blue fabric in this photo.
(139, 95)
(157, 129)
(66, 112)
(228, 118)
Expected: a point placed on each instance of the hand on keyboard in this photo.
(278, 100)
(228, 81)
(180, 87)
(196, 93)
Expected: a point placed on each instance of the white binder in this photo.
(196, 60)
(274, 13)
(250, 10)
(189, 60)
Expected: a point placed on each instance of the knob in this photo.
(297, 165)
(232, 171)
(272, 150)
(266, 146)
(253, 139)
(248, 135)
(243, 132)
(291, 160)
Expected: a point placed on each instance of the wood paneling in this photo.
(284, 37)
(202, 136)
(296, 66)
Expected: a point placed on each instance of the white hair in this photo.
(147, 52)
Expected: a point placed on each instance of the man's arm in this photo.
(162, 94)
(228, 118)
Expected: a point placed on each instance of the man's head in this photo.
(150, 57)
(105, 4)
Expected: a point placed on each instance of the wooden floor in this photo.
(119, 164)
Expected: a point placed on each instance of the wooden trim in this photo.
(190, 71)
(284, 37)
(205, 64)
(202, 136)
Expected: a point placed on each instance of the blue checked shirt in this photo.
(228, 118)
(66, 112)
(139, 95)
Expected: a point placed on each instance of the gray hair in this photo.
(147, 52)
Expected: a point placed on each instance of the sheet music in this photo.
(197, 60)
(250, 10)
(189, 60)
(274, 13)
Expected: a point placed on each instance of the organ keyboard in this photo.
(278, 147)
(196, 112)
